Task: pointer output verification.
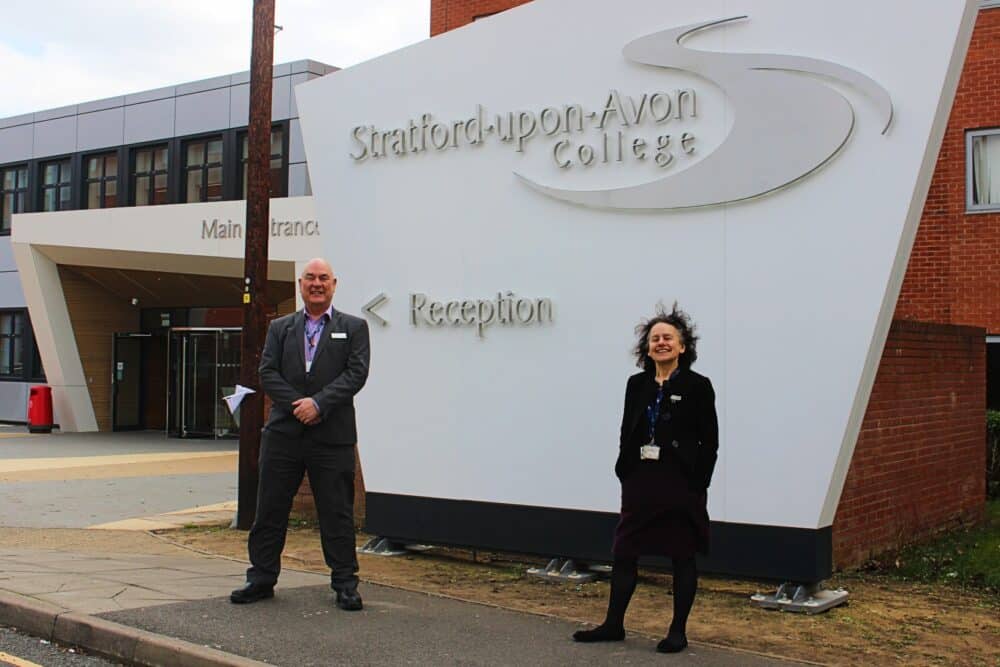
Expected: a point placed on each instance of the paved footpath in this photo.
(147, 602)
(146, 598)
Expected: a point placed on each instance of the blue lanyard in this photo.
(653, 411)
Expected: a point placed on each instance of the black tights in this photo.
(624, 575)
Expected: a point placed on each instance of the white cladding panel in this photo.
(792, 291)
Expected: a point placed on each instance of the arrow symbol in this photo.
(369, 308)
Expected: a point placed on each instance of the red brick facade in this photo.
(919, 463)
(954, 271)
(450, 14)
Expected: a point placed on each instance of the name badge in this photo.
(674, 398)
(649, 452)
(338, 335)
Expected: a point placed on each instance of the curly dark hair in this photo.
(679, 320)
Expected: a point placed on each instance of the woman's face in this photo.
(665, 344)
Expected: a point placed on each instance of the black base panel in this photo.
(771, 553)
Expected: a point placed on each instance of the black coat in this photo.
(339, 371)
(689, 435)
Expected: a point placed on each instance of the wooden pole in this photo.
(255, 256)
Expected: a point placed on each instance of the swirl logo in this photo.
(786, 125)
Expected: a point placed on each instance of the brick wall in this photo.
(954, 270)
(920, 458)
(450, 14)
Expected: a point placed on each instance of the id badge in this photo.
(649, 452)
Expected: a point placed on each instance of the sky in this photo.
(59, 52)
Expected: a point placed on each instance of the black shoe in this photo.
(674, 642)
(602, 633)
(349, 600)
(251, 593)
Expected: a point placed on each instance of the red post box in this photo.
(40, 409)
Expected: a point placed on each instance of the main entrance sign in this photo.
(783, 225)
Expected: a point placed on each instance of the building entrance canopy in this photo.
(96, 270)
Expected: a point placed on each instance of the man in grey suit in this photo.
(313, 363)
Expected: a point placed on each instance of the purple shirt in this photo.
(313, 330)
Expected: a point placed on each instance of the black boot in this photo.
(624, 574)
(685, 585)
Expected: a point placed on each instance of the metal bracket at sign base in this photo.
(383, 546)
(564, 570)
(800, 598)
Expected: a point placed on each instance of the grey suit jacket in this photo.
(339, 371)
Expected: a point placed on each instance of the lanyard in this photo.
(653, 411)
(313, 330)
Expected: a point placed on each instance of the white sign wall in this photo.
(767, 172)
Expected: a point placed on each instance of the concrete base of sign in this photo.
(564, 570)
(800, 598)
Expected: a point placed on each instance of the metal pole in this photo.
(255, 256)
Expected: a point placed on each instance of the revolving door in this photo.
(204, 366)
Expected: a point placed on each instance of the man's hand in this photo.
(305, 411)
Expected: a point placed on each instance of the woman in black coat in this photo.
(668, 448)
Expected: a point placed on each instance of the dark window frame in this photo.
(29, 350)
(103, 180)
(241, 136)
(67, 184)
(204, 167)
(134, 175)
(19, 169)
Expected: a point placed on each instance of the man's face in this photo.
(317, 286)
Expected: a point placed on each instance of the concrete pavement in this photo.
(121, 601)
(143, 601)
(79, 480)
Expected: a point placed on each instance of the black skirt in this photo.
(661, 515)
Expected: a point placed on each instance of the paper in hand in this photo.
(233, 400)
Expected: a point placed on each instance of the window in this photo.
(203, 170)
(15, 187)
(56, 185)
(149, 175)
(983, 170)
(277, 162)
(19, 358)
(101, 184)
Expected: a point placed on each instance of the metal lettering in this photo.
(434, 136)
(525, 128)
(436, 313)
(664, 113)
(468, 311)
(687, 139)
(681, 95)
(555, 154)
(417, 303)
(364, 149)
(550, 113)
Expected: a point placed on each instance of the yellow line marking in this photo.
(20, 435)
(15, 661)
(24, 465)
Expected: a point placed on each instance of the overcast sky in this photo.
(59, 52)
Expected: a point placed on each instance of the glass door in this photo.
(204, 366)
(126, 381)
